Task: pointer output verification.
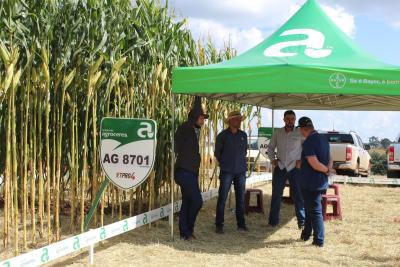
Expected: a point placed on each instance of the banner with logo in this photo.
(127, 150)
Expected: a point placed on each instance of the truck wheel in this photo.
(365, 175)
(340, 172)
(356, 172)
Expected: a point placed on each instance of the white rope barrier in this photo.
(369, 180)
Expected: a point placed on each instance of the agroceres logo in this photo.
(314, 44)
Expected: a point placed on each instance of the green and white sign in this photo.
(264, 136)
(127, 150)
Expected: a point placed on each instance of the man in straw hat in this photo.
(230, 152)
(187, 169)
(286, 163)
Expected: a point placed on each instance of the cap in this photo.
(305, 122)
(194, 114)
(196, 111)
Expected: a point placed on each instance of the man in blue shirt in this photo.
(230, 152)
(315, 167)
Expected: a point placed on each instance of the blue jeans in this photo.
(279, 178)
(314, 219)
(191, 200)
(239, 182)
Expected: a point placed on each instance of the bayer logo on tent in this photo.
(337, 80)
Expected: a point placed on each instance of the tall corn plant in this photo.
(64, 66)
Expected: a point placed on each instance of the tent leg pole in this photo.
(273, 120)
(273, 126)
(171, 215)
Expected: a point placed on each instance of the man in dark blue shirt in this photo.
(230, 152)
(315, 166)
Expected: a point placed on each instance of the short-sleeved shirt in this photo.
(231, 151)
(314, 145)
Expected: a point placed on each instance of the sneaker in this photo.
(219, 230)
(304, 237)
(243, 228)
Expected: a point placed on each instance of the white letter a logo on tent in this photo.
(314, 45)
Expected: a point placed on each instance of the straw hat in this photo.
(234, 114)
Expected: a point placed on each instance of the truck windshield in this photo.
(339, 138)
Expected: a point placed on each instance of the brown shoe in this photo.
(194, 237)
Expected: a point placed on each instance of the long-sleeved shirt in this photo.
(231, 150)
(187, 148)
(287, 146)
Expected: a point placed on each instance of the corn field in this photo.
(64, 66)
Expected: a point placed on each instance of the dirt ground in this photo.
(369, 235)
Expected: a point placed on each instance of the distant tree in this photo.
(378, 163)
(374, 142)
(385, 142)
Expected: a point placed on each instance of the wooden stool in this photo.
(260, 204)
(336, 189)
(334, 201)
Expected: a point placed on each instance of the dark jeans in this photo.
(279, 178)
(239, 182)
(314, 220)
(191, 200)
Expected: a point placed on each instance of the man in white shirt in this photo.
(284, 152)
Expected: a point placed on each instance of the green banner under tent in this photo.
(266, 132)
(309, 63)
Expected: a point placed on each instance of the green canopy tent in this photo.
(308, 64)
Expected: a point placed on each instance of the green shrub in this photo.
(378, 163)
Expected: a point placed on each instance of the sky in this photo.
(374, 26)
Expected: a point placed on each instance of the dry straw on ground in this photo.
(368, 236)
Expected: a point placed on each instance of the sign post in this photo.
(127, 154)
(264, 136)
